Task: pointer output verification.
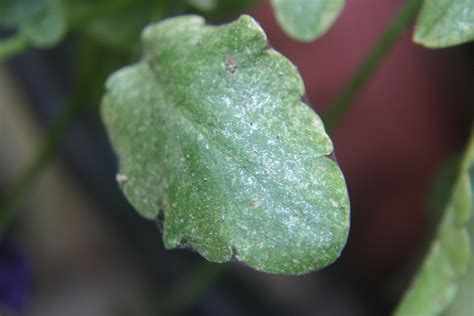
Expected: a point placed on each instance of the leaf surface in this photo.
(214, 140)
(436, 284)
(47, 27)
(463, 304)
(306, 20)
(444, 23)
(16, 12)
(41, 22)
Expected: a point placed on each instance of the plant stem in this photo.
(12, 45)
(367, 68)
(24, 182)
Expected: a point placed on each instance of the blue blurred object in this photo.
(15, 277)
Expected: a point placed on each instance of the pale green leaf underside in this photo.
(444, 23)
(209, 128)
(436, 284)
(306, 20)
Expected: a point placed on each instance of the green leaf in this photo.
(214, 140)
(41, 22)
(463, 303)
(435, 286)
(306, 20)
(11, 46)
(204, 5)
(47, 27)
(443, 23)
(16, 12)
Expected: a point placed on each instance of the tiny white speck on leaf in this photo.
(121, 178)
(255, 204)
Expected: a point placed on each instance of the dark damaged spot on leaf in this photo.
(332, 156)
(231, 64)
(160, 220)
(184, 244)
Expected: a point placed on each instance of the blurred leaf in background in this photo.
(42, 22)
(443, 23)
(46, 27)
(463, 303)
(306, 20)
(436, 284)
(14, 13)
(205, 5)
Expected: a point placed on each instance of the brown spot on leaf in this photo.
(317, 260)
(231, 64)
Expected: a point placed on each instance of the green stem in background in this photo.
(24, 182)
(12, 45)
(367, 68)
